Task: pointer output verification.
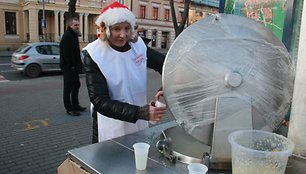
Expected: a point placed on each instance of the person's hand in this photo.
(156, 113)
(158, 95)
(285, 123)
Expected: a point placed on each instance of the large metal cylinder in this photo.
(227, 56)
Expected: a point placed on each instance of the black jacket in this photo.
(99, 94)
(70, 57)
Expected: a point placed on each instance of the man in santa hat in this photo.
(116, 76)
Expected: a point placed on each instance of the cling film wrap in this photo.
(227, 56)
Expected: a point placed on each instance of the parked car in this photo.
(34, 58)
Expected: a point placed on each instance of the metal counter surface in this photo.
(117, 156)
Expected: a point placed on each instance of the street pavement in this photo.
(6, 53)
(35, 131)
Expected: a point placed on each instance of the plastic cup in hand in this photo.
(197, 168)
(157, 104)
(141, 151)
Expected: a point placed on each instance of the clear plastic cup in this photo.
(157, 104)
(259, 152)
(197, 168)
(141, 151)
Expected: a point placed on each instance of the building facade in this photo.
(25, 21)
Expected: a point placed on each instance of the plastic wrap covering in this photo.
(227, 56)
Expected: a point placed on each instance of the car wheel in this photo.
(33, 70)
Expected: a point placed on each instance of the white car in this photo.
(34, 58)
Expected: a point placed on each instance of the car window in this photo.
(54, 49)
(43, 49)
(23, 49)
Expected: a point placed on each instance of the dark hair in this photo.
(71, 19)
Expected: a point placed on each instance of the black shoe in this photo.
(80, 108)
(73, 113)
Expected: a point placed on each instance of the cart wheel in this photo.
(33, 70)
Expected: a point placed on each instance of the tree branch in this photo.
(71, 8)
(179, 28)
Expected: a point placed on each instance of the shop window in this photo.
(10, 22)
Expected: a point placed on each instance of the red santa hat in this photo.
(116, 13)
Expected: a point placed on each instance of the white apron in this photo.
(126, 76)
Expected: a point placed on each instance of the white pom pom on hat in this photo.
(116, 13)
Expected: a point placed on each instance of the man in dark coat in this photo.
(71, 65)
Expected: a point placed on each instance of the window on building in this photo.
(154, 33)
(155, 13)
(164, 39)
(10, 23)
(142, 12)
(167, 14)
(121, 1)
(180, 16)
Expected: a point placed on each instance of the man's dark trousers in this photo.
(71, 88)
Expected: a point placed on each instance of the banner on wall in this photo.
(271, 13)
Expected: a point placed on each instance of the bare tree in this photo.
(71, 8)
(178, 28)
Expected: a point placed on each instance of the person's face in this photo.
(120, 34)
(75, 26)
